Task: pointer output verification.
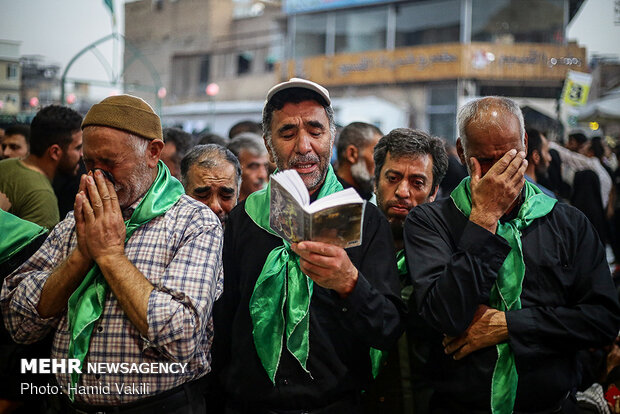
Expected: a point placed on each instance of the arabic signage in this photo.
(442, 62)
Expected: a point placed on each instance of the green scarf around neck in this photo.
(86, 303)
(16, 234)
(505, 293)
(280, 302)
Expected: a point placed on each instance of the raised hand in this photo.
(493, 194)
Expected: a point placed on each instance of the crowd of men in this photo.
(487, 295)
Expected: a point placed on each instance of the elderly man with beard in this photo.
(512, 282)
(128, 278)
(354, 149)
(296, 323)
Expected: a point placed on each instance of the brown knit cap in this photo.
(127, 113)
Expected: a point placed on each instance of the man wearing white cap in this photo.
(127, 281)
(296, 323)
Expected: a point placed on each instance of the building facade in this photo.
(422, 58)
(10, 77)
(432, 56)
(193, 43)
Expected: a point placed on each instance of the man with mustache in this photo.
(55, 147)
(296, 323)
(356, 167)
(409, 166)
(250, 149)
(211, 174)
(129, 277)
(512, 282)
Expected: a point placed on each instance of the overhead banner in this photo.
(480, 61)
(576, 88)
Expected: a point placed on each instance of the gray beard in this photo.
(363, 179)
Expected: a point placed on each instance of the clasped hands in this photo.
(327, 265)
(99, 222)
(487, 328)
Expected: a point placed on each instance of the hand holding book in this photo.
(327, 265)
(336, 219)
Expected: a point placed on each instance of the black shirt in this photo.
(568, 300)
(341, 330)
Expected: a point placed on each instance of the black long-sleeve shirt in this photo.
(568, 300)
(341, 330)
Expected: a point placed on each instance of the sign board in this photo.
(442, 62)
(576, 88)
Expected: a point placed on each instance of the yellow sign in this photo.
(576, 88)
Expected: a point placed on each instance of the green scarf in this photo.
(401, 262)
(280, 301)
(16, 234)
(505, 293)
(86, 303)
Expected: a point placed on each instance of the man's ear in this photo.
(351, 154)
(153, 152)
(271, 158)
(525, 141)
(536, 157)
(433, 194)
(461, 152)
(55, 152)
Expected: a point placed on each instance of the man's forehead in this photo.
(13, 138)
(248, 154)
(219, 172)
(309, 109)
(495, 130)
(418, 164)
(408, 158)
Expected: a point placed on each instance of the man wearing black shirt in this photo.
(354, 149)
(513, 282)
(303, 344)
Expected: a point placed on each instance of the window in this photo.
(182, 83)
(157, 5)
(441, 111)
(244, 63)
(361, 30)
(518, 21)
(205, 66)
(427, 23)
(11, 71)
(310, 35)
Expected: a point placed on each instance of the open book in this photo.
(336, 218)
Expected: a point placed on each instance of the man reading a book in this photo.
(513, 282)
(296, 323)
